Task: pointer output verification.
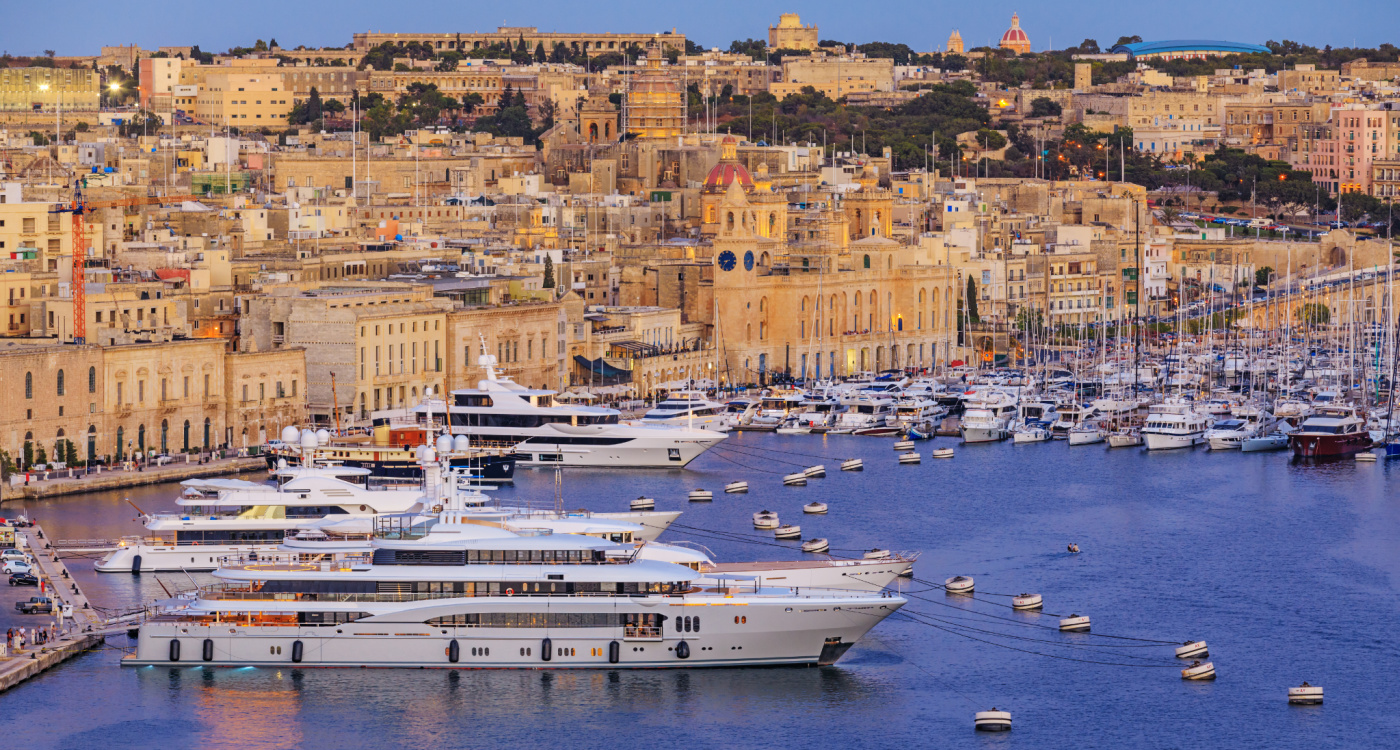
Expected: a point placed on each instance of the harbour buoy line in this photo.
(726, 448)
(733, 536)
(1157, 662)
(916, 618)
(779, 450)
(720, 455)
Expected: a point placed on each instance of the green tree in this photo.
(548, 272)
(1262, 274)
(540, 55)
(1314, 313)
(972, 316)
(1044, 106)
(1134, 39)
(313, 105)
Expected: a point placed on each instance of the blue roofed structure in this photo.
(1189, 49)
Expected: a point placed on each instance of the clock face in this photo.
(726, 260)
(748, 260)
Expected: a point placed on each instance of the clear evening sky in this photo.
(79, 27)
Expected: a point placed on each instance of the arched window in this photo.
(729, 221)
(185, 443)
(121, 435)
(58, 381)
(92, 442)
(92, 380)
(141, 438)
(164, 435)
(29, 385)
(207, 428)
(867, 261)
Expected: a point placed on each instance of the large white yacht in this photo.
(988, 418)
(688, 409)
(1174, 424)
(867, 413)
(221, 517)
(452, 593)
(499, 412)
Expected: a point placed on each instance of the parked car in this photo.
(1338, 224)
(15, 566)
(24, 579)
(37, 605)
(13, 554)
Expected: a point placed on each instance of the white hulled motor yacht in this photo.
(221, 517)
(867, 414)
(1174, 424)
(987, 419)
(688, 409)
(499, 412)
(918, 413)
(450, 593)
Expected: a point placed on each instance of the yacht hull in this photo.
(1314, 445)
(983, 434)
(789, 630)
(645, 453)
(1157, 441)
(159, 558)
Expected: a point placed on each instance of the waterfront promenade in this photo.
(71, 633)
(71, 482)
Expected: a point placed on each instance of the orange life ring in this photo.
(510, 592)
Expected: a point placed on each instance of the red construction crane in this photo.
(78, 207)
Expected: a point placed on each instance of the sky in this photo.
(81, 27)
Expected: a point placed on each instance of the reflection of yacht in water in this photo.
(501, 413)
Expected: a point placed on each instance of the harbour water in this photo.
(1291, 572)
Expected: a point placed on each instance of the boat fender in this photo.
(510, 592)
(208, 649)
(296, 652)
(454, 652)
(546, 649)
(174, 649)
(683, 650)
(136, 565)
(614, 652)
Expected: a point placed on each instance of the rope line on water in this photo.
(790, 453)
(722, 457)
(915, 618)
(758, 455)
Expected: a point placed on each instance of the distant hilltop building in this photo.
(1015, 38)
(955, 43)
(791, 34)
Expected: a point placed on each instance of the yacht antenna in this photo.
(559, 488)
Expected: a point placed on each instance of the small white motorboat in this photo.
(701, 496)
(942, 453)
(815, 472)
(1199, 671)
(992, 721)
(643, 503)
(1305, 695)
(815, 508)
(912, 457)
(736, 487)
(815, 545)
(1026, 601)
(959, 585)
(1029, 434)
(877, 554)
(904, 445)
(1125, 439)
(852, 464)
(795, 480)
(1192, 650)
(1087, 433)
(788, 531)
(1366, 457)
(1075, 624)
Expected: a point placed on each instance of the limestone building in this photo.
(955, 43)
(47, 89)
(1015, 38)
(791, 34)
(655, 103)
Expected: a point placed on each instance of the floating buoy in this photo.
(911, 457)
(1073, 548)
(958, 585)
(765, 519)
(904, 445)
(1199, 671)
(643, 503)
(788, 531)
(878, 554)
(992, 721)
(1305, 695)
(814, 508)
(1026, 601)
(942, 453)
(1075, 624)
(852, 464)
(815, 472)
(1365, 456)
(795, 480)
(736, 487)
(815, 545)
(1192, 650)
(700, 496)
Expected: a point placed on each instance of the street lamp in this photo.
(115, 88)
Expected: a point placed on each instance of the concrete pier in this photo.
(72, 638)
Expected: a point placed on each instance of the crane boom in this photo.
(78, 207)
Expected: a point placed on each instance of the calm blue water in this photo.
(1289, 571)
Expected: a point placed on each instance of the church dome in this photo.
(728, 170)
(1015, 38)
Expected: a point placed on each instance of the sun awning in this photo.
(599, 367)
